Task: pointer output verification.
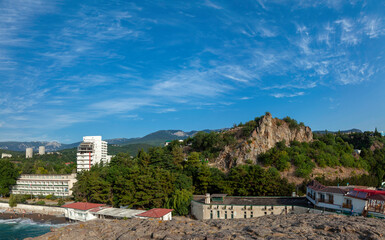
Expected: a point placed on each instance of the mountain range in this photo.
(157, 138)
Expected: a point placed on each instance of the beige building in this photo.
(221, 206)
(6, 155)
(58, 185)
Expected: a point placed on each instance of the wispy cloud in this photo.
(287, 95)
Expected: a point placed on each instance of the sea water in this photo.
(22, 228)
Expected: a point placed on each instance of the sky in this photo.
(128, 68)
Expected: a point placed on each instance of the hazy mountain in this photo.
(353, 130)
(155, 139)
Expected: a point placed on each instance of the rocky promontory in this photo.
(301, 226)
(268, 132)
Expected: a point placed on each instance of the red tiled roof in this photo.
(156, 212)
(83, 205)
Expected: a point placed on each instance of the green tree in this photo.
(8, 176)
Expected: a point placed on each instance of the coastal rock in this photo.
(301, 226)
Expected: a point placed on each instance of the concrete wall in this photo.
(34, 209)
(205, 211)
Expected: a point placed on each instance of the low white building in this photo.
(82, 211)
(157, 213)
(47, 184)
(221, 206)
(6, 155)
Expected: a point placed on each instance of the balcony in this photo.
(322, 200)
(378, 209)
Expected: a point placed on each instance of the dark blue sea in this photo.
(23, 228)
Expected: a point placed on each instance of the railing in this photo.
(378, 209)
(331, 201)
(321, 200)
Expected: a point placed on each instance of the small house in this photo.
(157, 213)
(82, 211)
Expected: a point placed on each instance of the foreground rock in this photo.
(302, 226)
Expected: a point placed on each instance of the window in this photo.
(218, 214)
(232, 214)
(225, 214)
(251, 214)
(211, 214)
(245, 215)
(265, 213)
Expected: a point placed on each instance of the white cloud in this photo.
(287, 95)
(209, 3)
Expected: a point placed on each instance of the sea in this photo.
(12, 229)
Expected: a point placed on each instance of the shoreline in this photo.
(36, 217)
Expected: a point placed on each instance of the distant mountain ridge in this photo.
(156, 139)
(353, 130)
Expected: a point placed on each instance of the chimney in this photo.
(207, 198)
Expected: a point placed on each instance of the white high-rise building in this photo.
(90, 152)
(28, 152)
(41, 150)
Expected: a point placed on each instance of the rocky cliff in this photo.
(268, 132)
(302, 226)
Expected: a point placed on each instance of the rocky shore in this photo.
(301, 226)
(36, 217)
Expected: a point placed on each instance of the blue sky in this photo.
(128, 68)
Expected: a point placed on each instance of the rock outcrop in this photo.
(269, 131)
(302, 226)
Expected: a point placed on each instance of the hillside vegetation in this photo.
(169, 176)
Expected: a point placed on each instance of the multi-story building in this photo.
(90, 152)
(36, 184)
(28, 152)
(221, 206)
(41, 150)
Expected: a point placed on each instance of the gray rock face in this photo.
(301, 226)
(269, 132)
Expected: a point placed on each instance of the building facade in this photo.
(347, 199)
(35, 184)
(28, 152)
(81, 211)
(221, 206)
(41, 150)
(90, 152)
(6, 155)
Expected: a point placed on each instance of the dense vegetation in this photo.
(163, 177)
(331, 150)
(8, 176)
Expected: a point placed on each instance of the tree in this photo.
(12, 201)
(180, 202)
(8, 176)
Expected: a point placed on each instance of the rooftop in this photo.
(156, 213)
(84, 206)
(120, 212)
(257, 201)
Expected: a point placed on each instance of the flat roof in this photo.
(120, 212)
(257, 201)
